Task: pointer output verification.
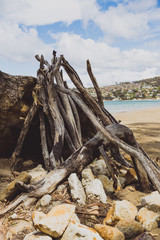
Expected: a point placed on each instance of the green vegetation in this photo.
(143, 89)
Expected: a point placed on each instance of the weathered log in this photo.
(76, 116)
(152, 171)
(68, 114)
(45, 151)
(75, 163)
(58, 122)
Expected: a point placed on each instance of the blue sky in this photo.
(121, 38)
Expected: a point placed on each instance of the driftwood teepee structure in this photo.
(68, 142)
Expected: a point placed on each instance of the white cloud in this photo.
(119, 22)
(40, 12)
(141, 5)
(131, 20)
(109, 64)
(19, 44)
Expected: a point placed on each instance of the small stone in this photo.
(19, 230)
(107, 183)
(37, 236)
(121, 210)
(123, 172)
(79, 232)
(153, 198)
(130, 229)
(11, 189)
(61, 187)
(37, 173)
(87, 176)
(77, 190)
(148, 219)
(109, 233)
(14, 216)
(55, 222)
(45, 200)
(99, 167)
(152, 202)
(28, 164)
(95, 191)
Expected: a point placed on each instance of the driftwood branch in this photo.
(75, 163)
(63, 145)
(95, 84)
(152, 172)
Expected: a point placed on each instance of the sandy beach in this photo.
(146, 128)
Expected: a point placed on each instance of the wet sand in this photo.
(146, 128)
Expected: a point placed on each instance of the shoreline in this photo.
(144, 99)
(145, 115)
(145, 125)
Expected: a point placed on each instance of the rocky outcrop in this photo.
(15, 99)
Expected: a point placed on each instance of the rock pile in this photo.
(61, 221)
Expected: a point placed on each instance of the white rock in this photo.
(61, 187)
(121, 210)
(80, 232)
(87, 176)
(55, 222)
(77, 190)
(37, 173)
(37, 236)
(148, 219)
(18, 230)
(153, 198)
(99, 167)
(45, 200)
(14, 216)
(95, 191)
(75, 219)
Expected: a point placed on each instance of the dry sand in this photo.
(146, 128)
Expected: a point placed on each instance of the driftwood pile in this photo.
(75, 129)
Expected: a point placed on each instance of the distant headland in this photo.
(136, 90)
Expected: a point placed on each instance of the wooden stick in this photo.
(69, 126)
(91, 102)
(75, 163)
(77, 119)
(58, 122)
(149, 167)
(95, 84)
(68, 112)
(44, 146)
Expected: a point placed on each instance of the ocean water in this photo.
(126, 106)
